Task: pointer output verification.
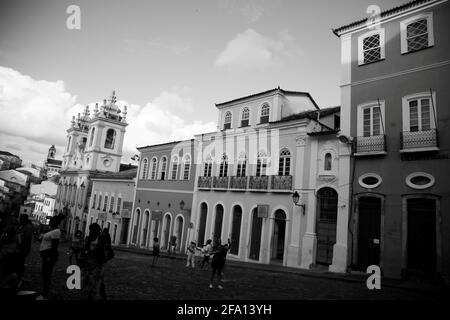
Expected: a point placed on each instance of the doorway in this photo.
(326, 225)
(278, 237)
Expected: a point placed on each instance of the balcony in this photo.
(259, 183)
(204, 182)
(419, 141)
(238, 183)
(368, 146)
(220, 183)
(281, 183)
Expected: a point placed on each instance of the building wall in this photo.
(389, 81)
(112, 188)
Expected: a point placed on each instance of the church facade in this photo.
(94, 146)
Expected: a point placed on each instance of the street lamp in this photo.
(296, 199)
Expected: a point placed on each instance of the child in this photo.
(155, 251)
(206, 251)
(191, 255)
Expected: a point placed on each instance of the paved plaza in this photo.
(129, 277)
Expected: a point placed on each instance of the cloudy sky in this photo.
(169, 62)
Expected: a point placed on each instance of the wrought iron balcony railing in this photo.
(425, 139)
(238, 183)
(371, 144)
(204, 182)
(259, 182)
(281, 183)
(220, 183)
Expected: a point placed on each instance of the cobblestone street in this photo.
(130, 277)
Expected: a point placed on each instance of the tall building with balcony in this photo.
(94, 146)
(268, 147)
(163, 196)
(395, 97)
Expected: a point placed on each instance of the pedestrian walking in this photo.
(98, 252)
(155, 251)
(218, 262)
(24, 240)
(191, 255)
(206, 252)
(172, 244)
(49, 254)
(76, 245)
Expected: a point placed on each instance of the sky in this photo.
(169, 62)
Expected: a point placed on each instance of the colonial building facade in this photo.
(164, 196)
(94, 145)
(270, 146)
(395, 102)
(111, 203)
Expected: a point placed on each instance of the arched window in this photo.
(227, 122)
(111, 204)
(223, 169)
(186, 167)
(207, 167)
(284, 168)
(327, 162)
(241, 165)
(110, 139)
(174, 170)
(91, 139)
(265, 111)
(144, 170)
(261, 164)
(153, 168)
(163, 168)
(245, 117)
(68, 143)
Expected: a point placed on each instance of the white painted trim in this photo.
(360, 45)
(405, 109)
(419, 174)
(366, 175)
(406, 22)
(360, 116)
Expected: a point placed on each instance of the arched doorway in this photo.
(145, 228)
(202, 224)
(136, 225)
(327, 199)
(278, 236)
(236, 229)
(218, 223)
(166, 227)
(255, 235)
(179, 233)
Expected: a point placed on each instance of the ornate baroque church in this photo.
(94, 146)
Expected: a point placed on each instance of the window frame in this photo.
(113, 142)
(225, 123)
(403, 31)
(160, 172)
(247, 119)
(282, 163)
(406, 114)
(186, 161)
(174, 163)
(360, 115)
(361, 38)
(263, 106)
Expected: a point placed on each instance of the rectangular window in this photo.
(416, 33)
(264, 119)
(187, 169)
(174, 171)
(119, 203)
(371, 121)
(111, 205)
(419, 115)
(227, 126)
(93, 201)
(105, 204)
(223, 170)
(371, 47)
(208, 168)
(99, 202)
(241, 168)
(244, 123)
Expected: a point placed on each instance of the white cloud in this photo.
(251, 51)
(36, 114)
(251, 10)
